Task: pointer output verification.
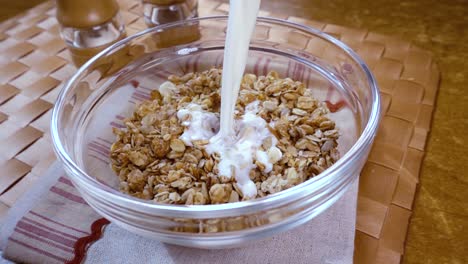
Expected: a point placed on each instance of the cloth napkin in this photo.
(53, 224)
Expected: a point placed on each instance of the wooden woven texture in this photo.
(34, 63)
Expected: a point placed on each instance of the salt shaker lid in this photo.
(85, 13)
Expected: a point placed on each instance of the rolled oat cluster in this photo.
(153, 163)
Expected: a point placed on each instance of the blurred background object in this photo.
(158, 12)
(89, 26)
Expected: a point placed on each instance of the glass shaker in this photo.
(89, 26)
(157, 12)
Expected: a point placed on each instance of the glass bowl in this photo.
(105, 90)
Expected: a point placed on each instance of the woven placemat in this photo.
(34, 63)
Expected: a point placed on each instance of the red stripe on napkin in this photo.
(40, 251)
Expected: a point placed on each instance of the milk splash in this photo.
(238, 142)
(241, 23)
(200, 125)
(236, 157)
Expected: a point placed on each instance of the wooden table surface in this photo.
(438, 229)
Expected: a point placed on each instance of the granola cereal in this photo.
(154, 160)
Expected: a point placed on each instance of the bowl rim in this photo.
(330, 174)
